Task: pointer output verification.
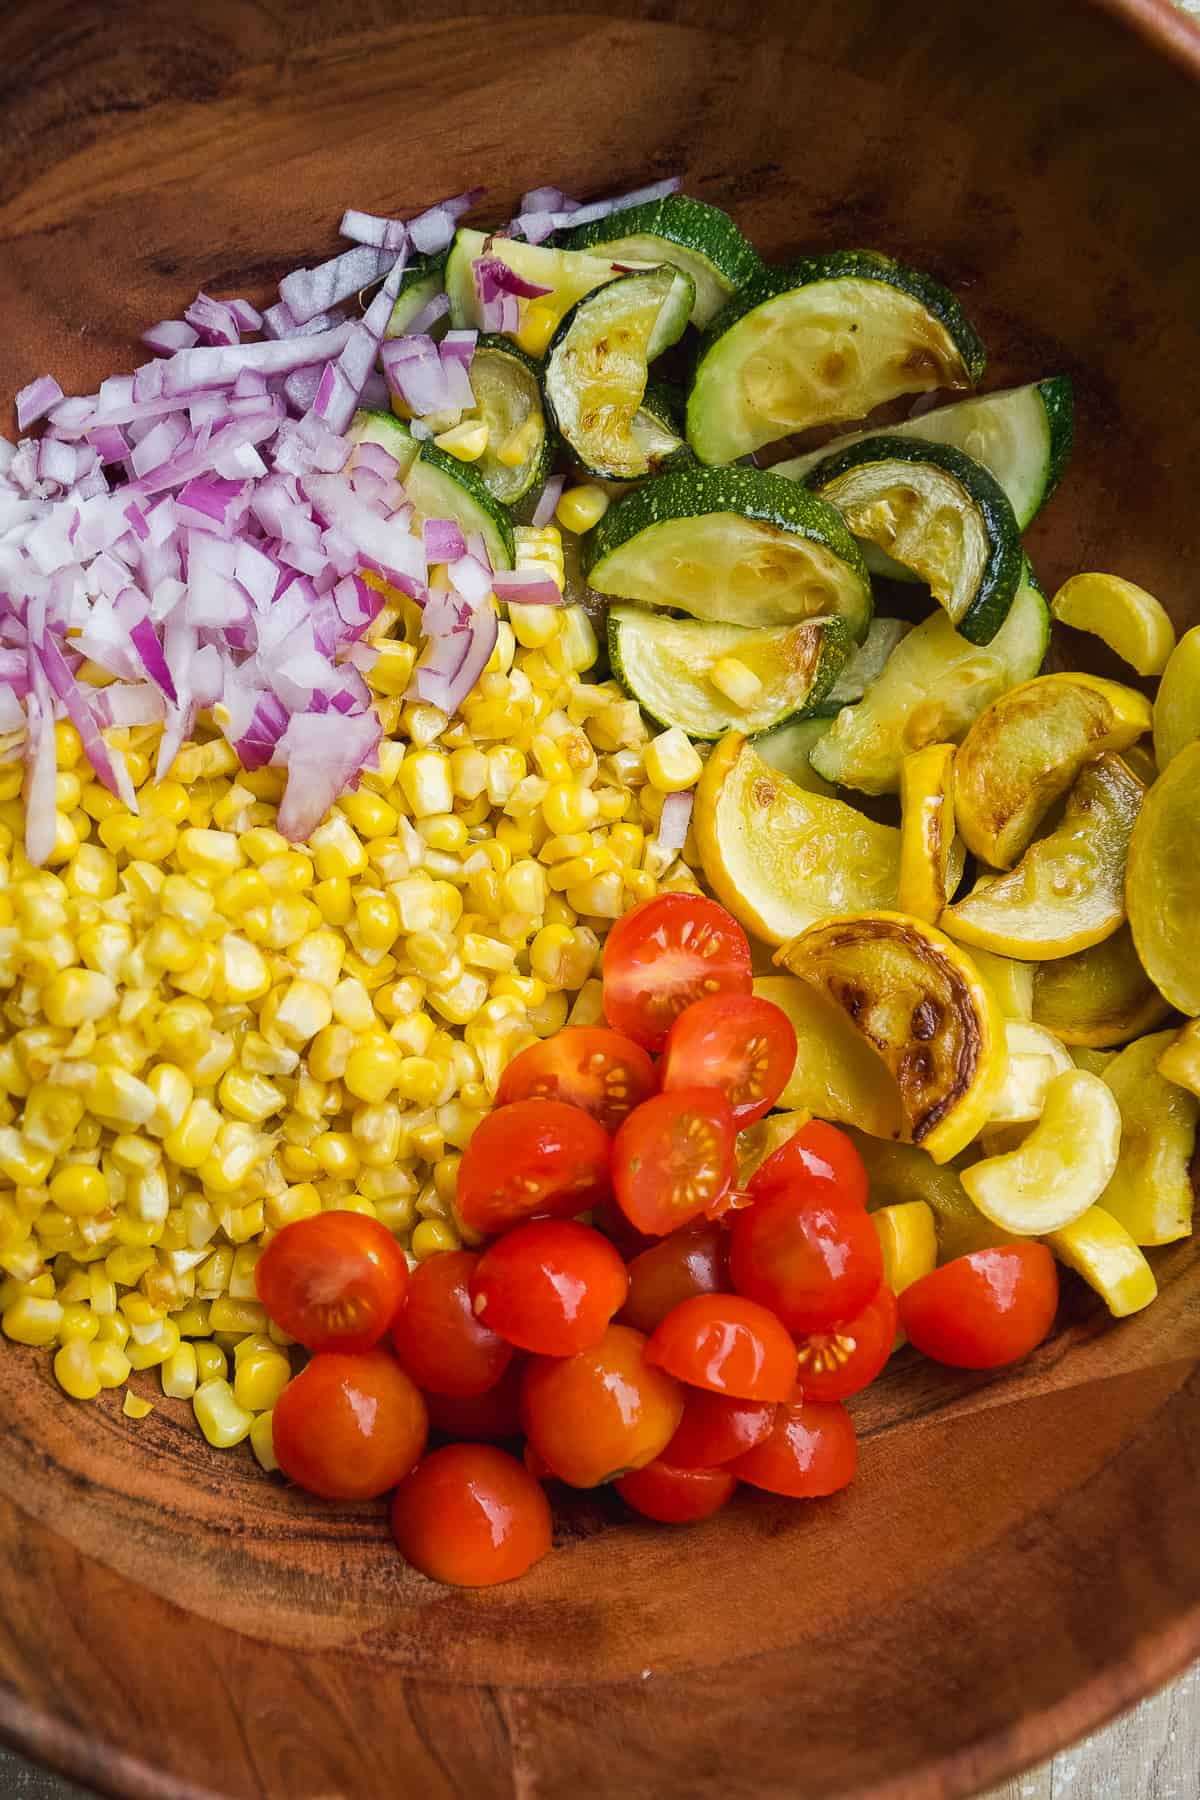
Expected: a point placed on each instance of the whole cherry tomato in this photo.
(727, 1344)
(715, 1428)
(349, 1427)
(983, 1310)
(806, 1252)
(674, 1158)
(690, 1261)
(533, 1159)
(817, 1153)
(472, 1516)
(601, 1412)
(737, 1043)
(676, 1496)
(812, 1451)
(665, 953)
(487, 1418)
(551, 1286)
(843, 1359)
(439, 1339)
(586, 1065)
(333, 1282)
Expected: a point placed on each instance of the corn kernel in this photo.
(219, 1416)
(336, 1154)
(373, 1069)
(673, 762)
(134, 1407)
(191, 1142)
(75, 1371)
(337, 849)
(466, 441)
(304, 1010)
(581, 507)
(424, 780)
(79, 1323)
(333, 900)
(217, 852)
(564, 956)
(260, 1377)
(156, 1349)
(51, 1116)
(210, 1362)
(262, 1441)
(432, 1236)
(77, 995)
(30, 1320)
(110, 1363)
(538, 323)
(251, 1098)
(237, 1315)
(731, 677)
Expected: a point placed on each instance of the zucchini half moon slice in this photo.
(825, 339)
(937, 512)
(508, 397)
(700, 239)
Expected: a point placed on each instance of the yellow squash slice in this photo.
(1098, 996)
(1150, 1193)
(1035, 1059)
(1063, 1166)
(921, 1006)
(1094, 1061)
(902, 1174)
(1180, 1061)
(1102, 1251)
(927, 839)
(764, 1138)
(780, 858)
(1122, 615)
(1068, 890)
(1177, 702)
(1163, 886)
(1009, 980)
(837, 1076)
(1026, 749)
(908, 1238)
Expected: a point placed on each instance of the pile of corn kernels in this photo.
(210, 1032)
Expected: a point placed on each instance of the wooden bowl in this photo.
(1019, 1557)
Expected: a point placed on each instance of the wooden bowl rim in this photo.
(1162, 24)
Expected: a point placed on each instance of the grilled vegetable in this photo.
(508, 398)
(1068, 890)
(1150, 1193)
(825, 339)
(837, 1075)
(1100, 1249)
(700, 239)
(936, 512)
(1010, 981)
(932, 688)
(927, 841)
(780, 858)
(919, 1002)
(1124, 616)
(904, 1174)
(1180, 1061)
(567, 274)
(1098, 996)
(735, 545)
(1026, 749)
(1177, 702)
(1063, 1166)
(1035, 1059)
(442, 487)
(788, 749)
(1163, 886)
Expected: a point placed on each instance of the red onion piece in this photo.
(306, 292)
(370, 228)
(413, 370)
(324, 754)
(673, 822)
(215, 322)
(526, 587)
(548, 500)
(35, 401)
(170, 335)
(444, 540)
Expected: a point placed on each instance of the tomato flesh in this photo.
(587, 1066)
(726, 1344)
(533, 1159)
(688, 1262)
(714, 1429)
(551, 1286)
(439, 1339)
(843, 1359)
(811, 1451)
(807, 1253)
(664, 954)
(676, 1496)
(333, 1282)
(983, 1310)
(472, 1516)
(819, 1154)
(737, 1043)
(674, 1158)
(349, 1427)
(601, 1412)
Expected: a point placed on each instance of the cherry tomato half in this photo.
(714, 1429)
(744, 1046)
(690, 1261)
(983, 1310)
(586, 1065)
(817, 1153)
(674, 1158)
(472, 1516)
(482, 1418)
(533, 1159)
(676, 1496)
(437, 1336)
(807, 1253)
(728, 1345)
(333, 1282)
(843, 1359)
(551, 1286)
(665, 953)
(349, 1427)
(811, 1451)
(601, 1412)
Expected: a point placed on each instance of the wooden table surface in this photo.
(1151, 1753)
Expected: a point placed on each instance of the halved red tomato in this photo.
(715, 1428)
(674, 1158)
(690, 1261)
(985, 1309)
(333, 1282)
(744, 1046)
(812, 1451)
(535, 1159)
(807, 1253)
(727, 1344)
(676, 1496)
(664, 954)
(589, 1066)
(843, 1359)
(817, 1153)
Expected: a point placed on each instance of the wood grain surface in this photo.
(1019, 1559)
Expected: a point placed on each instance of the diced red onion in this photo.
(306, 292)
(413, 370)
(459, 641)
(444, 540)
(109, 442)
(170, 335)
(324, 754)
(279, 322)
(158, 445)
(673, 822)
(391, 549)
(211, 366)
(431, 231)
(600, 209)
(40, 824)
(375, 393)
(214, 321)
(433, 310)
(56, 462)
(248, 317)
(145, 642)
(471, 578)
(548, 500)
(35, 401)
(492, 277)
(527, 587)
(370, 228)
